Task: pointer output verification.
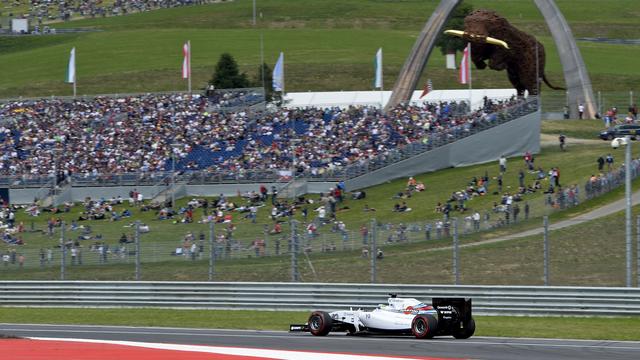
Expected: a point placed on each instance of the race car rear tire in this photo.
(424, 326)
(466, 331)
(320, 323)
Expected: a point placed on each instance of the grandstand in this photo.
(227, 137)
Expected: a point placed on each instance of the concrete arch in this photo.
(575, 73)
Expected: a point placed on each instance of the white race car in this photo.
(402, 316)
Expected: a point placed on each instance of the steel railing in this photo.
(487, 300)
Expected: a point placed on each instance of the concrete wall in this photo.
(76, 194)
(511, 139)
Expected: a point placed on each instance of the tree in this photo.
(451, 44)
(227, 75)
(268, 82)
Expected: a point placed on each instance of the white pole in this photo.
(537, 72)
(381, 83)
(469, 70)
(254, 13)
(189, 64)
(627, 168)
(262, 63)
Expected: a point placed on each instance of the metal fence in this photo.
(487, 300)
(605, 100)
(215, 251)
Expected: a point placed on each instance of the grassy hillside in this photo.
(592, 246)
(328, 45)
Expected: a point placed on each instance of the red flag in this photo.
(427, 88)
(464, 75)
(186, 62)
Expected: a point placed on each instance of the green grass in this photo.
(589, 254)
(581, 129)
(619, 328)
(576, 166)
(328, 46)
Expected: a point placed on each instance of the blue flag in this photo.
(278, 74)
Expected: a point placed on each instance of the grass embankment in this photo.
(328, 46)
(576, 165)
(589, 254)
(555, 327)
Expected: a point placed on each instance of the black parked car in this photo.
(620, 131)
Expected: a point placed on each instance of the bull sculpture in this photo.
(493, 38)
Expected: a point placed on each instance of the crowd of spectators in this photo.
(52, 10)
(144, 134)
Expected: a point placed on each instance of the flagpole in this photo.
(189, 64)
(469, 70)
(381, 83)
(264, 89)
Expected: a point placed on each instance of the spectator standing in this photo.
(580, 111)
(521, 178)
(364, 231)
(600, 163)
(503, 164)
(609, 161)
(476, 221)
(526, 210)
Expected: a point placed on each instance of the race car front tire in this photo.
(466, 331)
(424, 326)
(320, 323)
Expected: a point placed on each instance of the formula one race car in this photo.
(402, 316)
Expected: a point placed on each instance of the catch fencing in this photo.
(487, 300)
(93, 249)
(605, 100)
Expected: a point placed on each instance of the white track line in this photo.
(238, 351)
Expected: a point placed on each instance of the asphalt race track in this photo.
(474, 348)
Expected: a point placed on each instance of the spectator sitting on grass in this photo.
(277, 229)
(367, 208)
(401, 207)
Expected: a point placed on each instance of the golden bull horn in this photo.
(488, 39)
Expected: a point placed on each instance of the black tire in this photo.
(466, 331)
(320, 323)
(424, 326)
(610, 137)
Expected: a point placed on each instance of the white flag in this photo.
(278, 74)
(71, 68)
(378, 65)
